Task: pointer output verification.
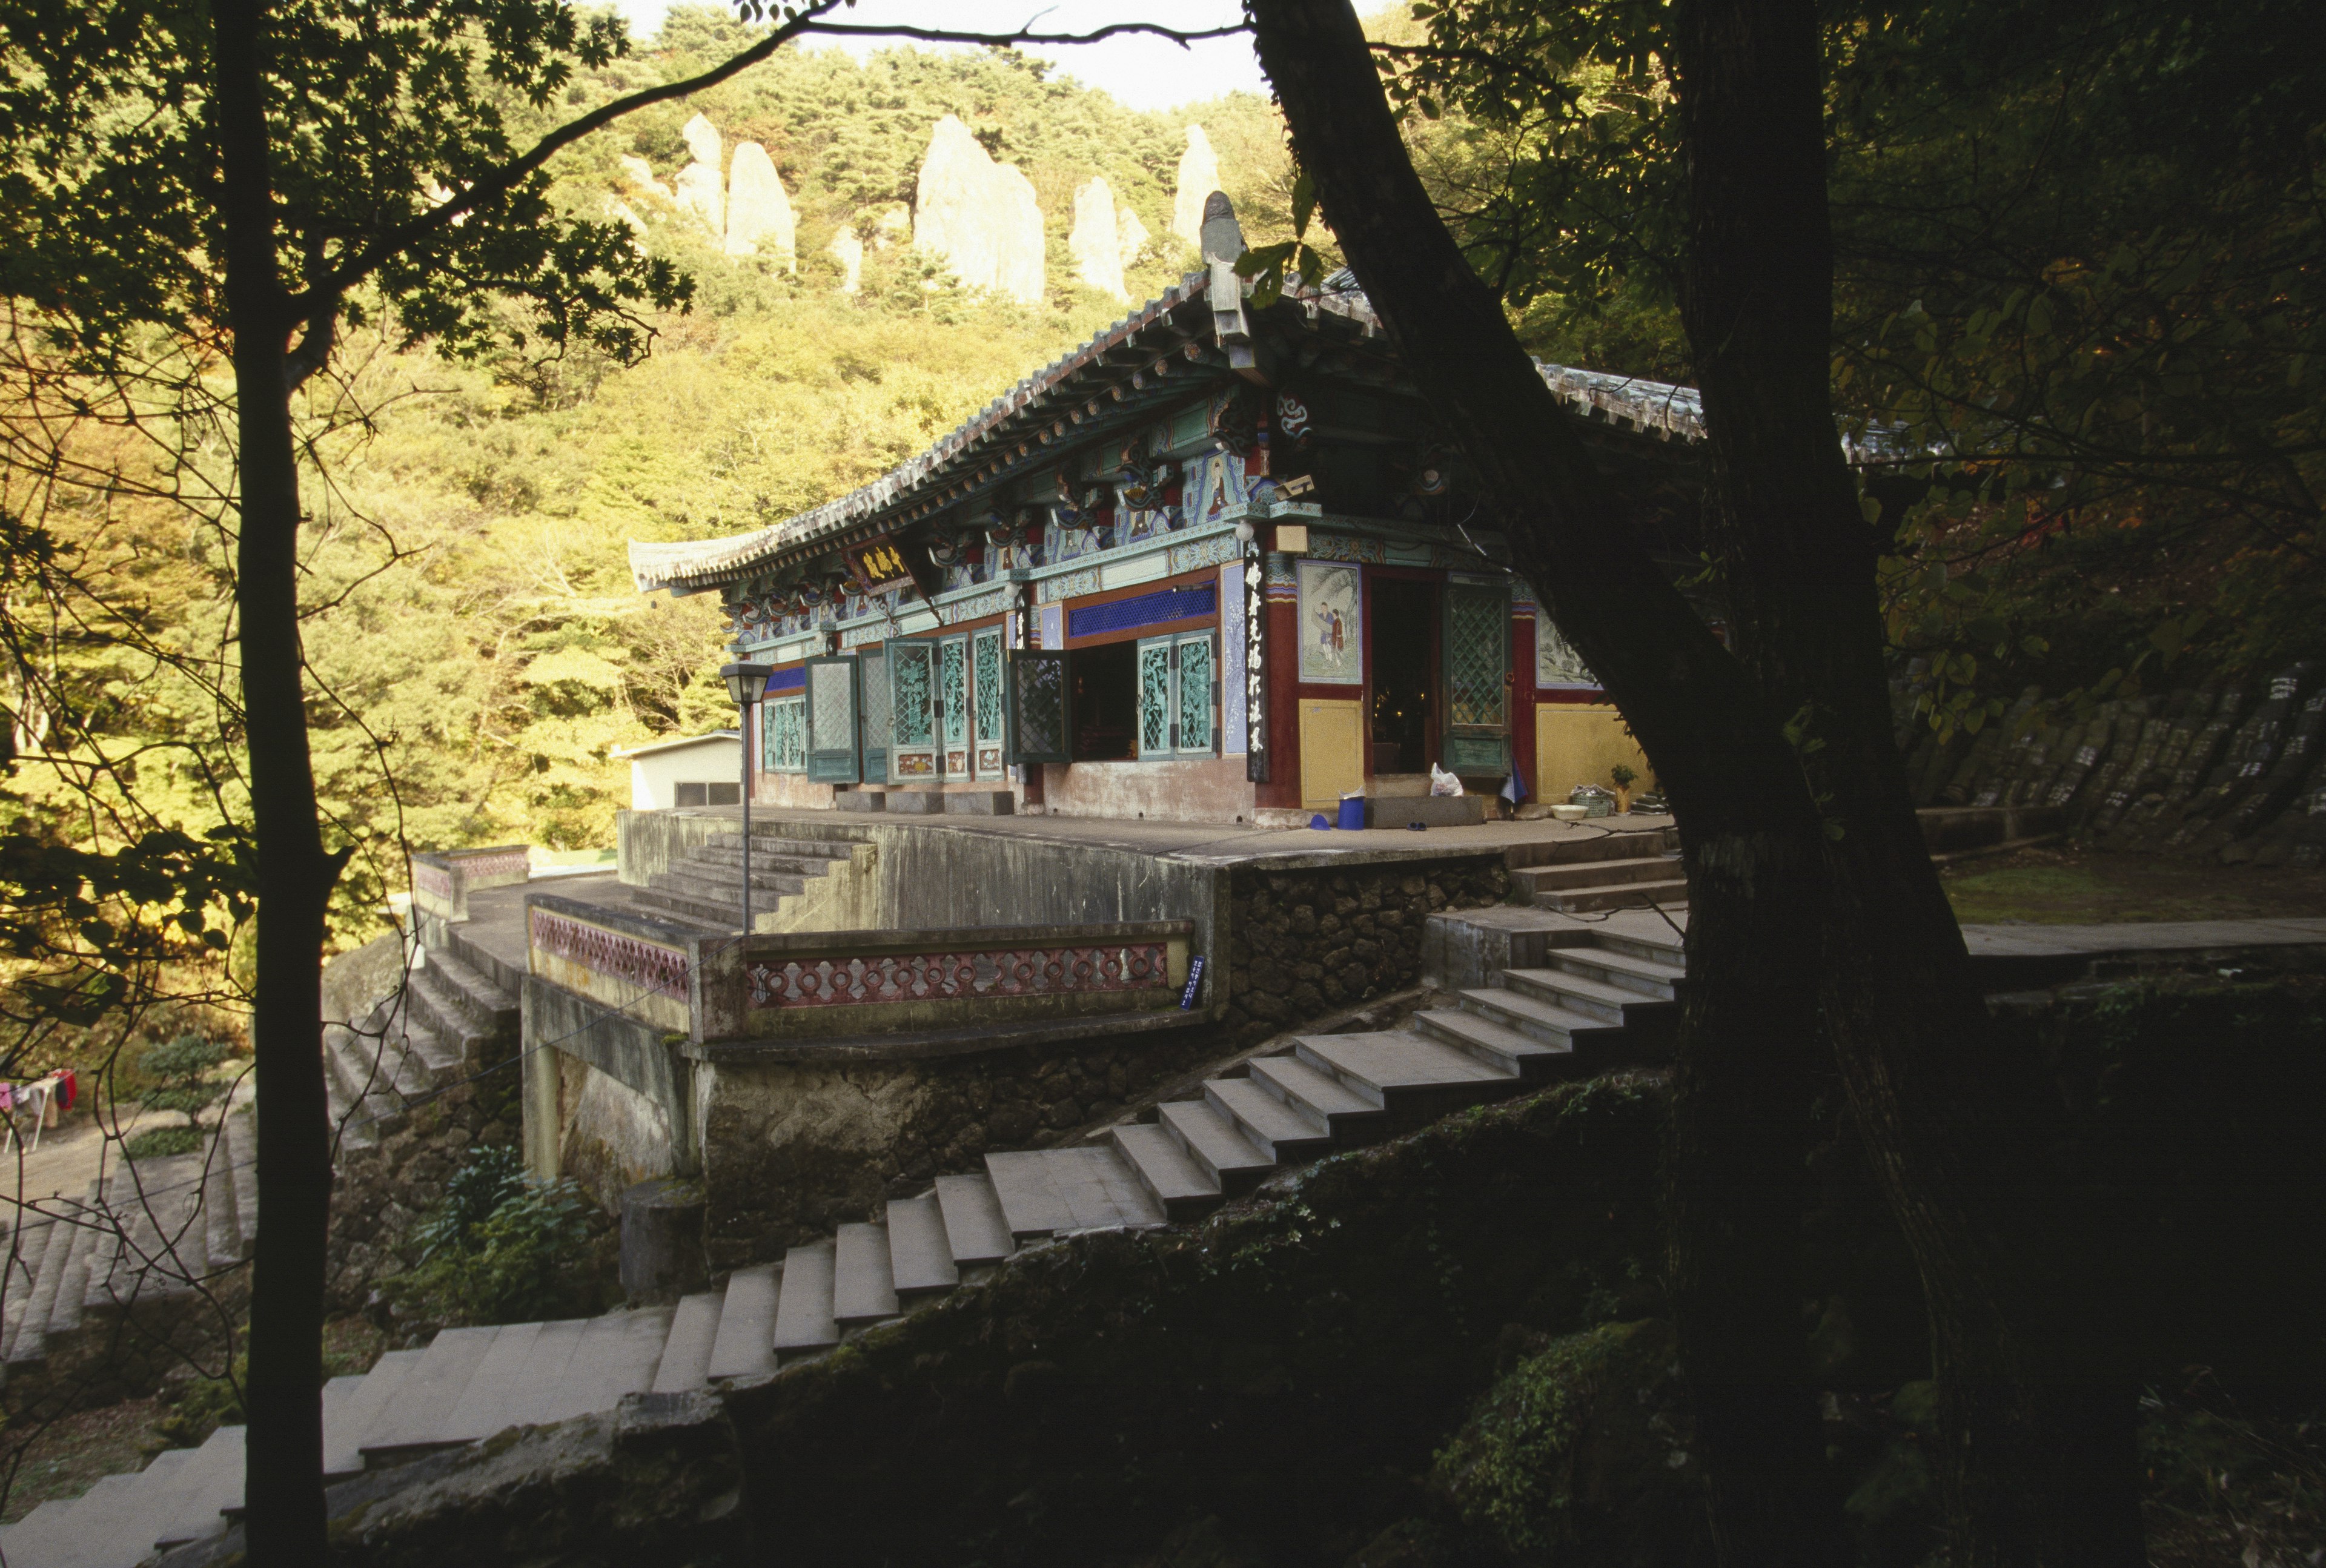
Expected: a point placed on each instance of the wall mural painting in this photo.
(1332, 634)
(1557, 665)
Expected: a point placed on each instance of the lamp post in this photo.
(746, 683)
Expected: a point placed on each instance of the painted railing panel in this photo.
(442, 879)
(641, 968)
(805, 984)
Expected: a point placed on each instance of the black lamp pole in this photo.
(746, 683)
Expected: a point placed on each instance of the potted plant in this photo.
(1624, 778)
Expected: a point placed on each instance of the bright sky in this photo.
(1144, 72)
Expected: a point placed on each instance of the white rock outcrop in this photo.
(621, 211)
(699, 188)
(1199, 176)
(760, 219)
(849, 252)
(1130, 237)
(640, 173)
(978, 216)
(1096, 243)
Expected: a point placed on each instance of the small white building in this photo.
(702, 770)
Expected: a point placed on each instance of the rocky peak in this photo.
(1096, 243)
(978, 216)
(1199, 176)
(758, 212)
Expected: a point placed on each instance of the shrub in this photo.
(178, 1072)
(501, 1247)
(158, 1143)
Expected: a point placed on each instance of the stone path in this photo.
(1585, 1008)
(421, 1040)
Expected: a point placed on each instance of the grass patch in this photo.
(2094, 887)
(158, 1143)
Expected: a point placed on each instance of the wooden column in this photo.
(1283, 715)
(1521, 697)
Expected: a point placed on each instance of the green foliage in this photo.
(500, 1248)
(1585, 1439)
(1624, 775)
(181, 1072)
(158, 1143)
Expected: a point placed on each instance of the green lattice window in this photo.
(953, 672)
(912, 712)
(1196, 694)
(1176, 696)
(786, 726)
(1155, 695)
(1478, 650)
(987, 663)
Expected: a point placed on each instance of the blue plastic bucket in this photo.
(1352, 811)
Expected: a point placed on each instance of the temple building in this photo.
(1216, 563)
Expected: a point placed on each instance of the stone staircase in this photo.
(156, 1242)
(1608, 1002)
(1625, 869)
(435, 1032)
(704, 886)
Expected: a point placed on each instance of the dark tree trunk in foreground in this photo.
(1748, 1034)
(1783, 916)
(283, 1473)
(1956, 1128)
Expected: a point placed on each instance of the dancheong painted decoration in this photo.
(1220, 561)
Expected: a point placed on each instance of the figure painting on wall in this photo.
(1331, 641)
(1557, 665)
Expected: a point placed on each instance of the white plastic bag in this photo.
(1442, 783)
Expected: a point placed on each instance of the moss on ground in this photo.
(2069, 886)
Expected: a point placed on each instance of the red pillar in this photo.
(1522, 699)
(1282, 652)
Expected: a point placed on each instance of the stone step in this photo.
(124, 1533)
(1583, 994)
(1266, 1120)
(697, 910)
(1666, 948)
(343, 1438)
(804, 1325)
(730, 859)
(441, 1010)
(26, 1540)
(414, 1420)
(768, 840)
(215, 1476)
(864, 1279)
(29, 1344)
(242, 1139)
(615, 1356)
(1215, 1141)
(1621, 844)
(1670, 895)
(1318, 1097)
(1044, 1191)
(62, 1537)
(745, 1347)
(919, 1260)
(1560, 1027)
(1595, 874)
(976, 1230)
(494, 1386)
(718, 883)
(686, 1363)
(1181, 1188)
(1495, 1044)
(538, 1386)
(1647, 976)
(483, 998)
(1404, 1073)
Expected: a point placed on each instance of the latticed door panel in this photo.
(1155, 699)
(785, 721)
(1478, 662)
(1194, 682)
(953, 706)
(912, 711)
(1039, 722)
(986, 707)
(873, 692)
(831, 721)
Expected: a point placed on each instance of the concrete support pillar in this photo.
(544, 1110)
(662, 1240)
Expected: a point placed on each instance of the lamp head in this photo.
(746, 683)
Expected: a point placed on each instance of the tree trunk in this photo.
(283, 1484)
(1750, 830)
(1955, 1126)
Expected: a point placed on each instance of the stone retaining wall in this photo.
(1302, 943)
